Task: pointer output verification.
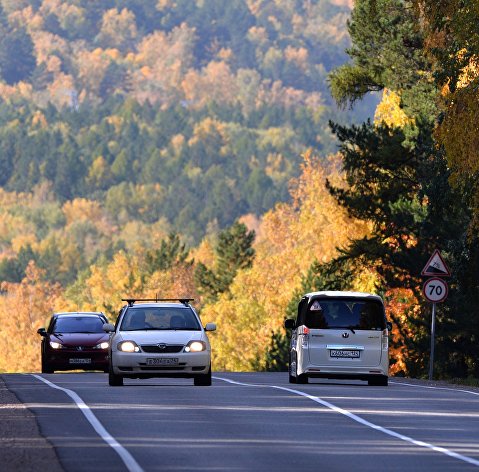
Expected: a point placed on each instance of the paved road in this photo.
(252, 422)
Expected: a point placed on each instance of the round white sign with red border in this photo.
(435, 289)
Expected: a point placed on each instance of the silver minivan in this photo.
(339, 335)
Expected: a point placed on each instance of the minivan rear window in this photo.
(331, 313)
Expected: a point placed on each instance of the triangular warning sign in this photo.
(436, 266)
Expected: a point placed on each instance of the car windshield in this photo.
(352, 313)
(159, 318)
(78, 324)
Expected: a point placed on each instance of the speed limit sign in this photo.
(435, 289)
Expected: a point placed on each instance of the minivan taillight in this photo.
(384, 340)
(303, 330)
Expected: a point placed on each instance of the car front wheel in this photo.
(46, 368)
(113, 379)
(203, 380)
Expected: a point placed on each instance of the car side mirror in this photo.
(42, 332)
(210, 327)
(289, 323)
(389, 325)
(108, 328)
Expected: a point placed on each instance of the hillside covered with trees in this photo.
(193, 113)
(190, 148)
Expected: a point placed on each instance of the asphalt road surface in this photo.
(251, 422)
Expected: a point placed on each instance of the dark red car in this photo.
(75, 341)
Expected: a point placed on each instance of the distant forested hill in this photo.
(186, 112)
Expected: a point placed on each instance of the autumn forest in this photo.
(240, 153)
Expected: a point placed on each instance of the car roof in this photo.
(343, 294)
(81, 313)
(158, 304)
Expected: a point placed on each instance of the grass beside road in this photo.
(470, 382)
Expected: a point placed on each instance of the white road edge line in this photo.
(362, 421)
(125, 456)
(436, 388)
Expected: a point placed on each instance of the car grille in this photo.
(160, 367)
(162, 348)
(79, 348)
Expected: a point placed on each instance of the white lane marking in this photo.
(436, 388)
(362, 421)
(125, 456)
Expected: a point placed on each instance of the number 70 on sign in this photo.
(435, 289)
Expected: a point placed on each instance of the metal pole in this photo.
(433, 334)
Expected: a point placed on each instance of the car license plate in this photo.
(343, 353)
(162, 361)
(79, 361)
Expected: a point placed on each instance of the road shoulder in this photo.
(22, 447)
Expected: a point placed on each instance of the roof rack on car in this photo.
(132, 301)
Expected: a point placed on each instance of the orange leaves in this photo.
(39, 121)
(24, 308)
(163, 60)
(92, 66)
(21, 89)
(208, 130)
(175, 282)
(116, 52)
(215, 82)
(118, 29)
(401, 305)
(321, 225)
(299, 56)
(108, 284)
(290, 238)
(88, 214)
(82, 209)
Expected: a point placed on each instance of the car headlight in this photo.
(103, 345)
(195, 346)
(128, 346)
(56, 345)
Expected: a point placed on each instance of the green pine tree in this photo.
(170, 253)
(234, 251)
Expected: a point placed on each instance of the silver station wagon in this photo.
(159, 338)
(339, 335)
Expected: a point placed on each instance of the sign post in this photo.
(435, 290)
(433, 334)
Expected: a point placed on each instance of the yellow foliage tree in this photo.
(24, 308)
(81, 209)
(459, 133)
(215, 83)
(177, 282)
(389, 111)
(291, 237)
(99, 172)
(108, 284)
(399, 304)
(161, 64)
(118, 29)
(92, 67)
